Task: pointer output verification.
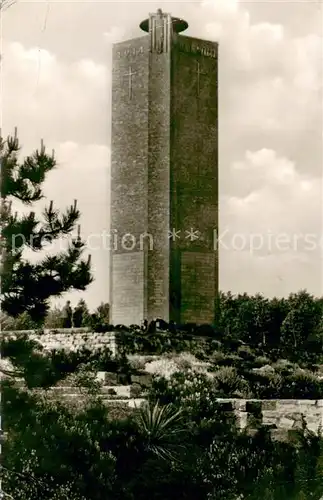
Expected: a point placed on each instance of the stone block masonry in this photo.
(280, 414)
(69, 339)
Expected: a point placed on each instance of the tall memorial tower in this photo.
(164, 176)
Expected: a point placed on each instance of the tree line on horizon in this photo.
(295, 321)
(56, 318)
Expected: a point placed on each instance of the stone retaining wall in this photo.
(70, 339)
(283, 414)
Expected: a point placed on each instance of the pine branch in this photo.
(18, 233)
(23, 181)
(28, 287)
(55, 226)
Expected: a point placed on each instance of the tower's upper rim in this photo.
(179, 25)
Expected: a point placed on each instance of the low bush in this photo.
(229, 360)
(111, 378)
(228, 383)
(260, 361)
(135, 391)
(246, 353)
(301, 385)
(264, 385)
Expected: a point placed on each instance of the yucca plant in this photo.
(160, 427)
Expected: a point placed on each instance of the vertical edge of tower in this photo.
(159, 167)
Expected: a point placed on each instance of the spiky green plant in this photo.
(160, 427)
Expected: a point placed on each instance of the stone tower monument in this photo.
(164, 176)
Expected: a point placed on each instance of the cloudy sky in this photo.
(56, 66)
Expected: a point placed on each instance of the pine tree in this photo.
(27, 287)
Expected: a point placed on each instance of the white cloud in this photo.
(222, 7)
(115, 34)
(58, 99)
(271, 228)
(94, 72)
(269, 82)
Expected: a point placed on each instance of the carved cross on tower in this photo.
(199, 73)
(129, 74)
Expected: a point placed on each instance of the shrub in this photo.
(111, 378)
(163, 367)
(200, 354)
(228, 360)
(264, 385)
(181, 387)
(228, 383)
(246, 353)
(282, 364)
(137, 362)
(217, 356)
(302, 385)
(135, 391)
(260, 361)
